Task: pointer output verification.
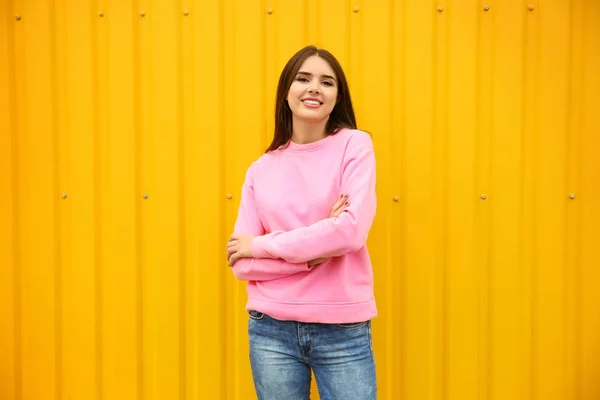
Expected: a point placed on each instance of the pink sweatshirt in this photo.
(286, 202)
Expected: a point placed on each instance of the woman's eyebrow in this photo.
(309, 74)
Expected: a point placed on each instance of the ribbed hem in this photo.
(325, 313)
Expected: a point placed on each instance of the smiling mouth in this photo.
(312, 102)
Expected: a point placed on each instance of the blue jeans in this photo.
(282, 354)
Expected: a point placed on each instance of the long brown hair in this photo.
(342, 115)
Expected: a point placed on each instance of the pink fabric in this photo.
(286, 202)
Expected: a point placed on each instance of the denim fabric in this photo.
(282, 354)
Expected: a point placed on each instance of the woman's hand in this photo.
(339, 206)
(336, 210)
(238, 247)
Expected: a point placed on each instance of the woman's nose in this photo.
(313, 89)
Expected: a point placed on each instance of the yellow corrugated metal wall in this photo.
(125, 131)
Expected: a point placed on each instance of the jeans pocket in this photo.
(256, 315)
(354, 325)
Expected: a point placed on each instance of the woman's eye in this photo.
(301, 79)
(327, 83)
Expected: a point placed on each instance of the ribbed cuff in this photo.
(258, 247)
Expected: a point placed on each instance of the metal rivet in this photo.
(483, 196)
(486, 8)
(18, 17)
(145, 195)
(101, 14)
(186, 12)
(355, 9)
(64, 195)
(396, 198)
(531, 7)
(142, 13)
(572, 196)
(440, 8)
(229, 196)
(270, 10)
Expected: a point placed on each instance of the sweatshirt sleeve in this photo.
(248, 222)
(332, 237)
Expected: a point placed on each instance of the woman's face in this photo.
(313, 94)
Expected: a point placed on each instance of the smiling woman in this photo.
(310, 280)
(311, 74)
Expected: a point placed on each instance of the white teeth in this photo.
(313, 102)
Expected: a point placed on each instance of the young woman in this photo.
(310, 281)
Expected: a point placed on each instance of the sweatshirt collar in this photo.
(314, 145)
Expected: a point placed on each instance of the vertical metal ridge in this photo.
(389, 274)
(263, 74)
(567, 281)
(573, 130)
(222, 176)
(399, 370)
(535, 236)
(349, 69)
(483, 328)
(275, 14)
(56, 154)
(182, 255)
(434, 124)
(481, 381)
(235, 367)
(360, 45)
(97, 207)
(402, 195)
(489, 262)
(319, 32)
(535, 66)
(189, 122)
(578, 285)
(439, 134)
(445, 202)
(524, 209)
(230, 371)
(304, 26)
(590, 254)
(276, 40)
(139, 278)
(578, 273)
(15, 187)
(389, 224)
(269, 68)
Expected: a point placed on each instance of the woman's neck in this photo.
(304, 132)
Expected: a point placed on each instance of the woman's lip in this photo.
(312, 99)
(309, 105)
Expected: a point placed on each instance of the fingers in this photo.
(340, 204)
(234, 257)
(341, 201)
(231, 247)
(341, 210)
